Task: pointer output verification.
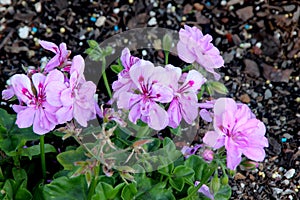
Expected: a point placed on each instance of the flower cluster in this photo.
(159, 96)
(53, 95)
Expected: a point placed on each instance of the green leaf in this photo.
(166, 170)
(197, 164)
(183, 171)
(35, 150)
(158, 193)
(12, 138)
(106, 191)
(19, 175)
(223, 193)
(176, 131)
(92, 43)
(116, 68)
(23, 194)
(169, 145)
(67, 158)
(177, 183)
(66, 188)
(129, 192)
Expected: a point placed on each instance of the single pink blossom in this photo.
(75, 97)
(124, 82)
(208, 155)
(151, 89)
(34, 109)
(193, 46)
(185, 102)
(61, 54)
(236, 127)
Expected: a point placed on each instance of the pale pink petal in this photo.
(189, 107)
(25, 117)
(18, 108)
(255, 153)
(86, 91)
(234, 157)
(184, 53)
(38, 80)
(66, 97)
(161, 93)
(54, 62)
(54, 75)
(204, 189)
(127, 100)
(214, 139)
(223, 104)
(158, 117)
(49, 46)
(79, 115)
(140, 72)
(53, 93)
(8, 93)
(193, 81)
(206, 115)
(22, 87)
(64, 114)
(135, 113)
(174, 114)
(78, 66)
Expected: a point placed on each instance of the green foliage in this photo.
(12, 138)
(95, 52)
(64, 188)
(68, 158)
(16, 188)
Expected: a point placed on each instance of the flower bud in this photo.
(167, 42)
(215, 183)
(249, 165)
(224, 180)
(218, 87)
(208, 155)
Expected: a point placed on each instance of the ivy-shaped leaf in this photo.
(67, 158)
(64, 188)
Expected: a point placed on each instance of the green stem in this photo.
(105, 78)
(43, 160)
(94, 182)
(167, 57)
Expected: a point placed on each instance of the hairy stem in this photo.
(105, 78)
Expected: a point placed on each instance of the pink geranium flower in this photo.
(124, 82)
(151, 89)
(74, 97)
(236, 127)
(61, 54)
(34, 109)
(185, 102)
(193, 46)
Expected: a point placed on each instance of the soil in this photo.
(259, 41)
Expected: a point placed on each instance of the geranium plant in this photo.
(132, 153)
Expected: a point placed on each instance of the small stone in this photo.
(23, 32)
(198, 6)
(5, 2)
(245, 13)
(62, 30)
(100, 21)
(116, 10)
(38, 7)
(144, 52)
(290, 173)
(268, 94)
(277, 190)
(152, 13)
(130, 1)
(239, 176)
(152, 21)
(286, 182)
(245, 98)
(251, 68)
(223, 3)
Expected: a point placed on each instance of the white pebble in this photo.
(286, 182)
(38, 7)
(144, 52)
(5, 2)
(290, 173)
(100, 21)
(152, 13)
(223, 3)
(116, 10)
(152, 21)
(258, 45)
(24, 32)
